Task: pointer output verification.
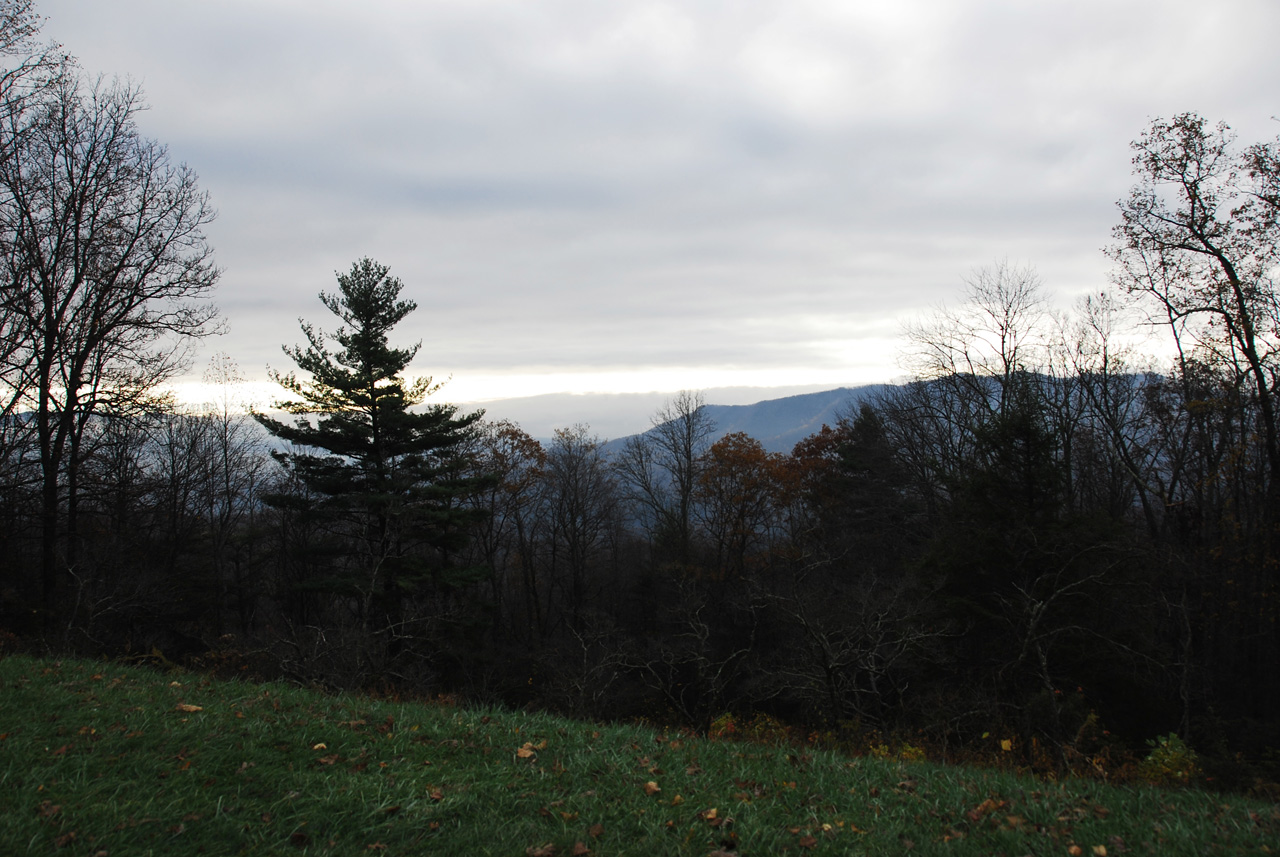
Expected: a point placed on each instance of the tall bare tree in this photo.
(660, 471)
(1199, 237)
(106, 272)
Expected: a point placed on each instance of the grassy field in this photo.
(103, 759)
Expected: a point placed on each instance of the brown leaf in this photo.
(984, 809)
(547, 850)
(1075, 850)
(595, 831)
(526, 752)
(65, 839)
(807, 842)
(651, 788)
(580, 849)
(187, 708)
(328, 760)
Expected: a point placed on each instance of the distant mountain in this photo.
(781, 423)
(615, 415)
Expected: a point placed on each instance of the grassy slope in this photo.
(100, 758)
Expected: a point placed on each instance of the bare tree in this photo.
(583, 510)
(660, 471)
(996, 333)
(1199, 237)
(106, 274)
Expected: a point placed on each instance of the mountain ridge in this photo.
(778, 423)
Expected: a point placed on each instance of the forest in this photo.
(1058, 540)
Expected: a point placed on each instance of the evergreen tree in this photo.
(382, 481)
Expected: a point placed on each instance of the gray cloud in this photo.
(569, 186)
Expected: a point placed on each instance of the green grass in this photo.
(99, 758)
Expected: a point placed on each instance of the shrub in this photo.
(1171, 762)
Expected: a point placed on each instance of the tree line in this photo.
(1046, 536)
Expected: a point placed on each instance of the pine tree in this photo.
(382, 480)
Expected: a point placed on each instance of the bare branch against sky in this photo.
(661, 195)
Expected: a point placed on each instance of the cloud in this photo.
(576, 187)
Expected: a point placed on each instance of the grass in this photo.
(104, 759)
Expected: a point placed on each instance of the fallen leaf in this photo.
(65, 839)
(320, 746)
(580, 849)
(807, 842)
(1099, 851)
(548, 850)
(328, 760)
(1075, 850)
(595, 831)
(526, 752)
(651, 788)
(188, 708)
(48, 809)
(984, 809)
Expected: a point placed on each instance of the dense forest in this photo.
(1049, 537)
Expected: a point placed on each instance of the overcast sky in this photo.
(624, 196)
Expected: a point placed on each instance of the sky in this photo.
(587, 196)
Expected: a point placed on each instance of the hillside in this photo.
(780, 423)
(100, 758)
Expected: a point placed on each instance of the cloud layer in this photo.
(650, 195)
